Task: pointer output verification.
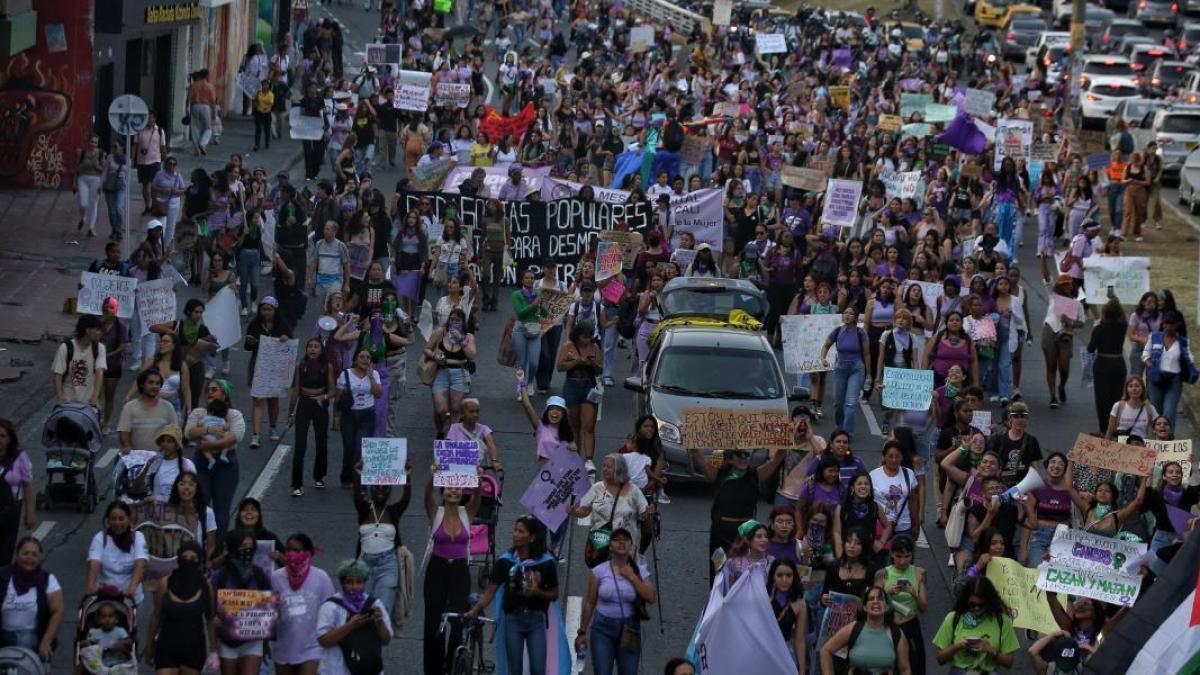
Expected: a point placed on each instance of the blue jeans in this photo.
(385, 574)
(356, 425)
(116, 212)
(529, 351)
(1003, 363)
(611, 337)
(1166, 399)
(525, 631)
(847, 387)
(1116, 203)
(606, 651)
(1136, 367)
(1039, 544)
(1006, 222)
(219, 485)
(248, 264)
(19, 638)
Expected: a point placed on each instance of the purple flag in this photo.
(964, 136)
(912, 84)
(1179, 519)
(842, 58)
(554, 486)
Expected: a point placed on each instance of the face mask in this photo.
(1103, 510)
(298, 564)
(355, 600)
(455, 327)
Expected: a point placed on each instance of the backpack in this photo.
(858, 628)
(70, 343)
(627, 317)
(361, 649)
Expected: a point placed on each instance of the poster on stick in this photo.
(275, 367)
(729, 429)
(608, 260)
(841, 202)
(1105, 454)
(803, 337)
(457, 463)
(555, 485)
(247, 615)
(96, 288)
(383, 461)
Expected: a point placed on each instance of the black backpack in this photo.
(361, 649)
(627, 317)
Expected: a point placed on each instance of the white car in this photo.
(1189, 181)
(1047, 38)
(1101, 96)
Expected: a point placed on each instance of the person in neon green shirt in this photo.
(977, 635)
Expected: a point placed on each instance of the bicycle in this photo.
(468, 656)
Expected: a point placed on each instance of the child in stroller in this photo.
(108, 646)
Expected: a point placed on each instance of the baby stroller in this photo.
(90, 657)
(483, 525)
(21, 661)
(72, 437)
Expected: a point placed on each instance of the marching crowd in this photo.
(604, 114)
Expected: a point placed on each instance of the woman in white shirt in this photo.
(1132, 414)
(362, 381)
(346, 613)
(117, 556)
(895, 490)
(189, 505)
(616, 486)
(168, 464)
(20, 623)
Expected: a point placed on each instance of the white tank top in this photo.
(376, 537)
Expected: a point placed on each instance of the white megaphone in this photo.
(1031, 481)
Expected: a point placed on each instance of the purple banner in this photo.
(554, 486)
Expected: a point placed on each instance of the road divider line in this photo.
(107, 458)
(267, 475)
(43, 529)
(572, 618)
(869, 414)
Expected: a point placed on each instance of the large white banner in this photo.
(221, 318)
(305, 127)
(703, 214)
(1128, 277)
(558, 188)
(738, 632)
(803, 337)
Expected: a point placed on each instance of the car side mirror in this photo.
(634, 383)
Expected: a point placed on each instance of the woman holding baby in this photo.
(217, 429)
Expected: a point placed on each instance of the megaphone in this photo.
(1032, 481)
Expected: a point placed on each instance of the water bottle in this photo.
(580, 659)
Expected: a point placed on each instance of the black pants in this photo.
(296, 258)
(10, 529)
(308, 411)
(779, 296)
(916, 645)
(355, 426)
(1109, 375)
(447, 585)
(262, 128)
(545, 370)
(314, 154)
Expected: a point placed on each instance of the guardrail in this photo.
(665, 13)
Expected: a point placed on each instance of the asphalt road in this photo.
(328, 515)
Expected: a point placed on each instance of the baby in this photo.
(115, 647)
(216, 411)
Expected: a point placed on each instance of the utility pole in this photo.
(1078, 33)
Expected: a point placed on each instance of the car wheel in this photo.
(1193, 207)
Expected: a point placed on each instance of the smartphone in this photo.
(1111, 293)
(995, 500)
(973, 642)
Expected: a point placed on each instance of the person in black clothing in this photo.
(389, 127)
(995, 512)
(291, 235)
(1108, 344)
(312, 105)
(270, 322)
(1018, 450)
(1171, 493)
(112, 263)
(736, 494)
(312, 390)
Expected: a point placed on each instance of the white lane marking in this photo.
(574, 614)
(43, 529)
(269, 472)
(491, 89)
(107, 458)
(869, 414)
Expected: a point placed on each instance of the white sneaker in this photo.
(591, 468)
(245, 312)
(922, 542)
(274, 435)
(254, 441)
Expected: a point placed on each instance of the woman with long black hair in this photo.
(238, 572)
(447, 576)
(270, 322)
(117, 556)
(181, 623)
(1007, 197)
(301, 588)
(312, 389)
(18, 477)
(977, 634)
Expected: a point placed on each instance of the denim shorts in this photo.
(575, 390)
(251, 648)
(457, 379)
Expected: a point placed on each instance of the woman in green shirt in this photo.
(873, 642)
(977, 635)
(527, 329)
(904, 584)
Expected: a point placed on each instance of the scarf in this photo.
(23, 580)
(1103, 510)
(124, 541)
(191, 331)
(241, 563)
(781, 598)
(529, 295)
(186, 580)
(298, 565)
(354, 601)
(1171, 495)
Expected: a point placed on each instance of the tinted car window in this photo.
(1181, 124)
(718, 373)
(1103, 68)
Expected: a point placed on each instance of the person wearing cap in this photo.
(609, 607)
(1169, 364)
(340, 125)
(1064, 315)
(164, 468)
(1018, 450)
(79, 364)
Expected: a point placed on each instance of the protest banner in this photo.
(979, 102)
(274, 368)
(608, 260)
(412, 90)
(1044, 152)
(907, 388)
(452, 94)
(456, 464)
(804, 179)
(641, 38)
(839, 97)
(559, 188)
(841, 202)
(494, 178)
(380, 54)
(940, 113)
(904, 185)
(221, 318)
(1082, 549)
(303, 127)
(803, 337)
(1128, 277)
(726, 109)
(683, 257)
(982, 420)
(916, 130)
(1104, 454)
(631, 244)
(1109, 585)
(1064, 306)
(722, 10)
(770, 43)
(555, 485)
(692, 152)
(1172, 451)
(95, 288)
(1017, 586)
(613, 291)
(165, 527)
(913, 103)
(890, 123)
(155, 303)
(560, 230)
(383, 461)
(247, 615)
(701, 212)
(843, 607)
(730, 429)
(1014, 138)
(248, 83)
(555, 303)
(430, 175)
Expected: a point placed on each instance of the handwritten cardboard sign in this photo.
(98, 287)
(608, 260)
(1109, 586)
(741, 429)
(556, 303)
(803, 337)
(383, 461)
(554, 486)
(841, 202)
(248, 615)
(1017, 586)
(456, 462)
(275, 367)
(982, 420)
(1129, 278)
(1103, 454)
(1085, 549)
(907, 388)
(453, 94)
(155, 302)
(804, 179)
(1172, 451)
(770, 43)
(890, 123)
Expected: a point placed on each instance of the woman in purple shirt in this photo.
(18, 477)
(849, 373)
(779, 267)
(1049, 506)
(300, 588)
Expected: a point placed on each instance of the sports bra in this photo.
(376, 537)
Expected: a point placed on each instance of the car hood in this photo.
(668, 407)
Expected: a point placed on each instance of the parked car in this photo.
(992, 13)
(1141, 57)
(1101, 96)
(1189, 182)
(1157, 12)
(1045, 39)
(1101, 65)
(1176, 129)
(1189, 35)
(1095, 21)
(1020, 34)
(1164, 76)
(1133, 111)
(1119, 28)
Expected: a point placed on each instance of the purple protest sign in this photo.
(1179, 519)
(553, 488)
(841, 202)
(912, 84)
(842, 58)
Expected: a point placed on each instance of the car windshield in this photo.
(707, 372)
(1117, 30)
(1181, 124)
(1172, 74)
(1136, 111)
(1146, 58)
(713, 300)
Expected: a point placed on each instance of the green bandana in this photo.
(970, 620)
(746, 528)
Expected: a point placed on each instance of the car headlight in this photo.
(668, 432)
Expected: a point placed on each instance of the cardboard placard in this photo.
(770, 43)
(803, 337)
(248, 615)
(841, 202)
(1172, 451)
(554, 486)
(1129, 278)
(1108, 586)
(804, 179)
(275, 367)
(383, 461)
(453, 94)
(1017, 586)
(907, 388)
(556, 303)
(1103, 454)
(736, 429)
(98, 287)
(839, 97)
(456, 464)
(890, 123)
(155, 302)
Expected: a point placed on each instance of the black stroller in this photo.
(91, 659)
(72, 437)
